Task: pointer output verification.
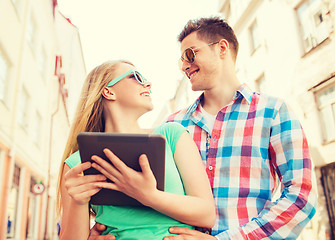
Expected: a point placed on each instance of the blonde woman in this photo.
(114, 96)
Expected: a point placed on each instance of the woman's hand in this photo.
(138, 185)
(81, 187)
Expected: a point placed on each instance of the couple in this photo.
(246, 141)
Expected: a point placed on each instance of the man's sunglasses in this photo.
(189, 54)
(134, 74)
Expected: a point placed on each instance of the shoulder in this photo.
(269, 105)
(184, 117)
(169, 128)
(282, 116)
(177, 116)
(268, 100)
(172, 131)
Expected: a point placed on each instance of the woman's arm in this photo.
(196, 208)
(76, 191)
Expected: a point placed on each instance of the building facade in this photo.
(287, 50)
(40, 63)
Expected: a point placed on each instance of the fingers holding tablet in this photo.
(138, 185)
(81, 187)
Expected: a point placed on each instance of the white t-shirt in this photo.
(209, 119)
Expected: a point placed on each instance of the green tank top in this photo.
(131, 223)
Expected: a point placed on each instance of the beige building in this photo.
(287, 50)
(41, 70)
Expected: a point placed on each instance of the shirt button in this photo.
(210, 168)
(207, 232)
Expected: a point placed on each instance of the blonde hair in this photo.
(89, 113)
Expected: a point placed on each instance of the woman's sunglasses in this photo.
(189, 54)
(134, 74)
(139, 78)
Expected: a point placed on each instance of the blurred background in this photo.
(47, 47)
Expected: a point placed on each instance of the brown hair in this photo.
(89, 114)
(211, 29)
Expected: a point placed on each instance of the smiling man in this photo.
(247, 141)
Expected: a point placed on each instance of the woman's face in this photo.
(130, 93)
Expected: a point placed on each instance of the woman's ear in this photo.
(108, 94)
(224, 47)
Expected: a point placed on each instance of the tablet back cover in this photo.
(128, 147)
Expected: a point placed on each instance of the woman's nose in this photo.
(147, 84)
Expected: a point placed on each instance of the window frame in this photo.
(18, 5)
(254, 35)
(330, 105)
(316, 33)
(31, 34)
(5, 80)
(259, 82)
(36, 136)
(327, 177)
(42, 63)
(17, 172)
(32, 202)
(25, 118)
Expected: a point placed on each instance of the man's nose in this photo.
(185, 66)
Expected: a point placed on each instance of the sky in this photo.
(141, 31)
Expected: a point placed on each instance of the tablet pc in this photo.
(128, 147)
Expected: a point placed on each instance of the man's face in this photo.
(203, 69)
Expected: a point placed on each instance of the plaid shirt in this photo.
(255, 141)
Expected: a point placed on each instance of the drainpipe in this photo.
(46, 237)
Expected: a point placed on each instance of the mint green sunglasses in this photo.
(139, 78)
(135, 74)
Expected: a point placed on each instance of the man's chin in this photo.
(196, 88)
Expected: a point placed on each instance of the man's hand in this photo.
(95, 233)
(187, 234)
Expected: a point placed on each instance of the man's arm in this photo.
(289, 154)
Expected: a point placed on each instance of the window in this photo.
(18, 6)
(36, 134)
(314, 28)
(255, 41)
(328, 179)
(3, 75)
(31, 32)
(13, 202)
(31, 216)
(23, 108)
(42, 62)
(260, 84)
(238, 7)
(226, 11)
(326, 103)
(2, 166)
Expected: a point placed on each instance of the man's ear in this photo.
(224, 47)
(108, 94)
